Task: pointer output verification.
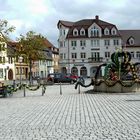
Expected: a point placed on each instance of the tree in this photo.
(31, 47)
(5, 29)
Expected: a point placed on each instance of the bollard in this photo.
(43, 90)
(60, 89)
(24, 90)
(79, 89)
(14, 83)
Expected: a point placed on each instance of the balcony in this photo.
(95, 59)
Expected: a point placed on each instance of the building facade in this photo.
(7, 61)
(42, 68)
(85, 44)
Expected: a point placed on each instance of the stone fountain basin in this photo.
(117, 86)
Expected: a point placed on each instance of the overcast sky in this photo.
(42, 16)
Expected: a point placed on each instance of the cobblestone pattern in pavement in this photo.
(70, 116)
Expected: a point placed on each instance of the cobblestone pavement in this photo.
(70, 116)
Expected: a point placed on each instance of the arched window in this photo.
(64, 70)
(83, 71)
(74, 70)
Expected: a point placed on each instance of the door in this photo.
(10, 74)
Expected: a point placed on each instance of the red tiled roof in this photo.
(48, 44)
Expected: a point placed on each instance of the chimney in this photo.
(97, 17)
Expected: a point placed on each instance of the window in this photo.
(3, 60)
(61, 55)
(64, 44)
(107, 42)
(94, 31)
(60, 32)
(116, 42)
(132, 54)
(0, 59)
(138, 55)
(64, 56)
(1, 73)
(107, 54)
(73, 43)
(82, 32)
(61, 44)
(2, 46)
(106, 31)
(82, 43)
(95, 43)
(95, 54)
(73, 55)
(75, 32)
(113, 31)
(83, 55)
(131, 41)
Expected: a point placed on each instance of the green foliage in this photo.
(5, 28)
(32, 45)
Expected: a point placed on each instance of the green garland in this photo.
(113, 83)
(32, 88)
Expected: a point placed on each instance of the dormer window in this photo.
(106, 31)
(94, 31)
(113, 31)
(131, 41)
(75, 32)
(82, 32)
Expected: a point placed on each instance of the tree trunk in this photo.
(30, 73)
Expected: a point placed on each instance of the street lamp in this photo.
(20, 61)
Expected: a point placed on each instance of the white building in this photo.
(85, 44)
(131, 43)
(7, 63)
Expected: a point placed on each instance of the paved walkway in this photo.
(70, 116)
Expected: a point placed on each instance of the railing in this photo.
(95, 59)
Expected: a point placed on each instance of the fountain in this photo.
(118, 76)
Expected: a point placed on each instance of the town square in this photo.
(69, 70)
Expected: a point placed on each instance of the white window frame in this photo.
(106, 31)
(95, 42)
(82, 32)
(113, 31)
(75, 32)
(83, 55)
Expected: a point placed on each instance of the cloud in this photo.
(42, 16)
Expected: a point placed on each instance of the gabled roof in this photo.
(85, 24)
(65, 23)
(51, 47)
(126, 34)
(48, 43)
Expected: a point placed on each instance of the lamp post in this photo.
(20, 61)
